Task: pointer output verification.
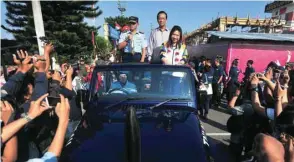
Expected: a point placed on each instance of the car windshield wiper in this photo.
(166, 101)
(122, 101)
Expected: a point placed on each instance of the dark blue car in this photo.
(140, 113)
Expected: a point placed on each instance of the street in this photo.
(216, 130)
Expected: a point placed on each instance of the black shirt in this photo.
(234, 74)
(248, 72)
(55, 89)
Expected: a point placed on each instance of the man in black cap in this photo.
(133, 43)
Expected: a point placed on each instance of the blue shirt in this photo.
(234, 74)
(48, 157)
(218, 72)
(136, 44)
(129, 87)
(207, 77)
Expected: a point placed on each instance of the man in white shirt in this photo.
(159, 35)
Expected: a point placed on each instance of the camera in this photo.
(259, 75)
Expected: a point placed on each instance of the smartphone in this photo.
(33, 59)
(259, 75)
(52, 101)
(277, 75)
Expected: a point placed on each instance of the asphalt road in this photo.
(216, 130)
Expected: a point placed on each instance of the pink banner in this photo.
(261, 54)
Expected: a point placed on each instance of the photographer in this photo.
(36, 109)
(272, 149)
(239, 124)
(58, 86)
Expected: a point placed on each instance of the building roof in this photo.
(253, 36)
(276, 4)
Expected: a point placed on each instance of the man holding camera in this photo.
(133, 43)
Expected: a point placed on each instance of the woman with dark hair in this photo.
(174, 51)
(206, 81)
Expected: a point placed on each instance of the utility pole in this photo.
(39, 24)
(121, 8)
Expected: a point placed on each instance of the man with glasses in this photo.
(133, 43)
(159, 35)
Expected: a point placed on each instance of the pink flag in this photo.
(117, 26)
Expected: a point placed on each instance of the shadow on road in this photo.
(221, 109)
(220, 151)
(215, 124)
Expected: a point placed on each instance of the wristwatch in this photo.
(254, 89)
(26, 117)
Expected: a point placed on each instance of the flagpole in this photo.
(93, 35)
(39, 24)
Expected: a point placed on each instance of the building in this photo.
(225, 24)
(262, 48)
(282, 10)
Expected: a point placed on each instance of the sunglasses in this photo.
(132, 23)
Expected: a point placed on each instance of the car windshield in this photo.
(145, 82)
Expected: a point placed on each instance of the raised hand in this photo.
(6, 111)
(48, 48)
(69, 71)
(278, 92)
(269, 73)
(38, 107)
(62, 109)
(24, 62)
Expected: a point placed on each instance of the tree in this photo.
(63, 23)
(103, 47)
(121, 20)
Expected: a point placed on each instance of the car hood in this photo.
(181, 142)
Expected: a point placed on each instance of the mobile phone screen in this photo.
(277, 75)
(52, 101)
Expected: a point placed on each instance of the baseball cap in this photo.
(133, 19)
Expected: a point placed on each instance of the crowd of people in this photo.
(31, 129)
(40, 108)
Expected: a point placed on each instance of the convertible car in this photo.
(140, 113)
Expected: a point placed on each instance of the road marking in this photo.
(218, 134)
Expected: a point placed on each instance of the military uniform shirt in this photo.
(135, 45)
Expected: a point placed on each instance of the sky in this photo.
(190, 15)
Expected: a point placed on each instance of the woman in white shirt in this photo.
(174, 52)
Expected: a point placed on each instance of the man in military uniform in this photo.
(133, 43)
